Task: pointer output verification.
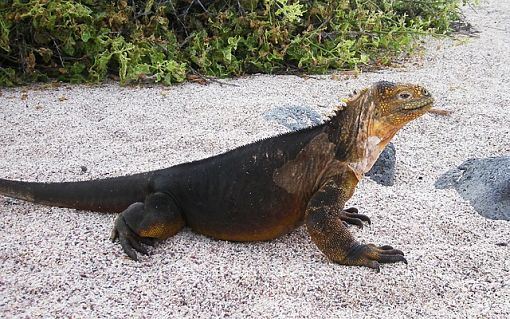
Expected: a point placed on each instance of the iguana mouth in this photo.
(420, 104)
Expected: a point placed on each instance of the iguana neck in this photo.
(350, 130)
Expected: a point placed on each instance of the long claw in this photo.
(351, 216)
(353, 221)
(137, 246)
(364, 218)
(392, 259)
(391, 252)
(127, 248)
(351, 210)
(374, 265)
(114, 234)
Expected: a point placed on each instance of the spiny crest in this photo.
(346, 102)
(337, 109)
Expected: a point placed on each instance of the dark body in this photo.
(233, 196)
(257, 191)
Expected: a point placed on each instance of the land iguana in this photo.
(259, 191)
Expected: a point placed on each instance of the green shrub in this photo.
(164, 40)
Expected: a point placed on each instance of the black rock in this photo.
(383, 171)
(484, 182)
(294, 117)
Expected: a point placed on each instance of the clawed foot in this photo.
(129, 240)
(351, 216)
(371, 255)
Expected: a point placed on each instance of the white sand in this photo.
(59, 262)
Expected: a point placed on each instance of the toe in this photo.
(371, 256)
(128, 239)
(391, 259)
(392, 252)
(351, 210)
(114, 234)
(364, 218)
(353, 221)
(126, 246)
(148, 241)
(137, 246)
(374, 265)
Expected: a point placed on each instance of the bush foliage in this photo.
(166, 40)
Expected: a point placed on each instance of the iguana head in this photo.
(378, 112)
(397, 105)
(386, 107)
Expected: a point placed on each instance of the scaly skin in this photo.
(258, 191)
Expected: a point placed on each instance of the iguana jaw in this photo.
(424, 104)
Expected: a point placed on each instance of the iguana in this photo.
(258, 191)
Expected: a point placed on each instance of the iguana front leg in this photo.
(325, 223)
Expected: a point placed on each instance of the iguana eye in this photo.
(404, 95)
(353, 94)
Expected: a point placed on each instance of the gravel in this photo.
(59, 262)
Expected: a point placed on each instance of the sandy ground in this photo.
(59, 262)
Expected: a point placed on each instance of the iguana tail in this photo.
(101, 195)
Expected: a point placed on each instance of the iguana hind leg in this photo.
(157, 218)
(325, 224)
